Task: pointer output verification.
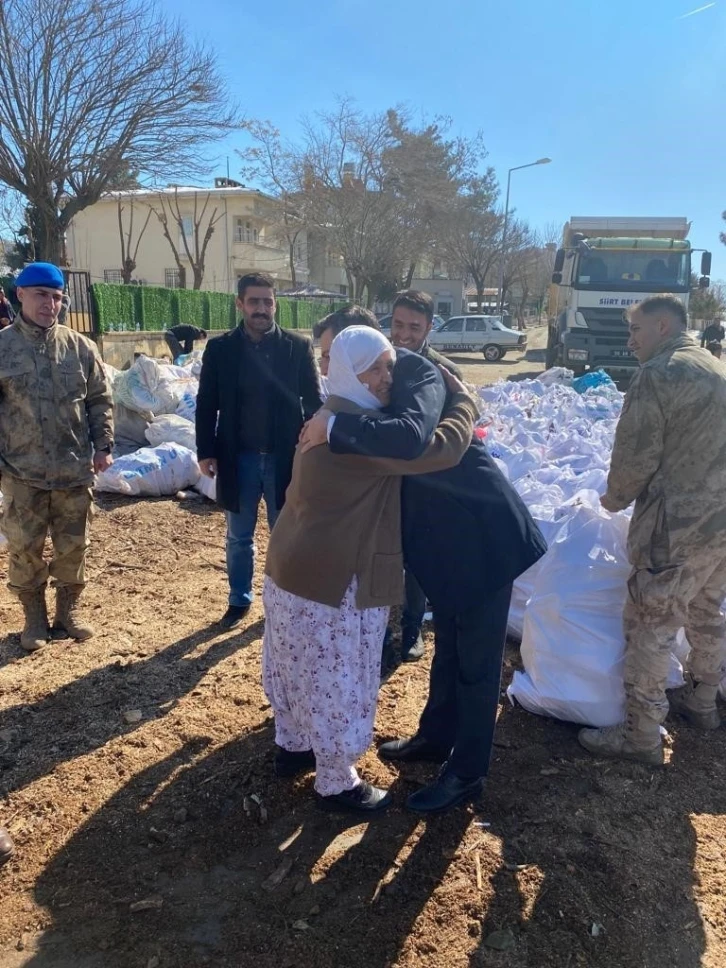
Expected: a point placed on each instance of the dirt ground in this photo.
(136, 778)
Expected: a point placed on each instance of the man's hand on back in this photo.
(609, 504)
(315, 431)
(208, 467)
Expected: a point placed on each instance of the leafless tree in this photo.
(275, 165)
(129, 245)
(169, 210)
(91, 90)
(373, 186)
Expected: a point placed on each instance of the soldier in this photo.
(56, 430)
(670, 458)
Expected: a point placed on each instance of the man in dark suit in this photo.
(258, 384)
(466, 536)
(412, 319)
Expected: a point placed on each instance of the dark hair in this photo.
(662, 303)
(714, 347)
(419, 302)
(254, 279)
(204, 334)
(343, 318)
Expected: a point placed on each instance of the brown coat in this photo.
(342, 516)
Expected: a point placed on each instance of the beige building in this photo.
(247, 235)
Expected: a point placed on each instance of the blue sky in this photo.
(625, 96)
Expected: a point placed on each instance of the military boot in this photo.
(35, 633)
(626, 741)
(66, 613)
(696, 702)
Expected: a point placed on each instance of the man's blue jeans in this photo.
(256, 479)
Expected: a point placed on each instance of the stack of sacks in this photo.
(555, 438)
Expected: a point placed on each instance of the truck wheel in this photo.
(492, 353)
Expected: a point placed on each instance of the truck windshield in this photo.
(657, 270)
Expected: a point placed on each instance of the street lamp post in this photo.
(540, 161)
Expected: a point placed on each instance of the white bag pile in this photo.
(155, 403)
(556, 444)
(151, 472)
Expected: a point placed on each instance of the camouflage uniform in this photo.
(670, 458)
(55, 409)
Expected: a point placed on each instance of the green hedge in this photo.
(154, 308)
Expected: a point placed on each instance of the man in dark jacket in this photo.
(411, 322)
(466, 536)
(257, 384)
(713, 333)
(180, 339)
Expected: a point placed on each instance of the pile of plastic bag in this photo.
(553, 438)
(154, 409)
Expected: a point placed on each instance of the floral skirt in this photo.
(321, 670)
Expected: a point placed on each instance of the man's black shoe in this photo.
(233, 616)
(414, 750)
(7, 847)
(289, 764)
(446, 792)
(363, 798)
(412, 651)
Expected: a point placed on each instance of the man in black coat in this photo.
(257, 385)
(466, 536)
(713, 333)
(181, 338)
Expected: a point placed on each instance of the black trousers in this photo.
(461, 711)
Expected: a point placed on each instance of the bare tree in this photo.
(374, 187)
(194, 243)
(129, 246)
(471, 239)
(92, 90)
(275, 165)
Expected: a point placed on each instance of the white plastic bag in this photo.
(573, 645)
(151, 472)
(207, 486)
(151, 387)
(168, 428)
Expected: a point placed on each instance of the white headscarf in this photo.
(354, 350)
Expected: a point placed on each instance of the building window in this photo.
(113, 276)
(244, 231)
(343, 290)
(186, 232)
(172, 278)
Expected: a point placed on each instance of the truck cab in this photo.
(598, 277)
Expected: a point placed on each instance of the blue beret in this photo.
(41, 274)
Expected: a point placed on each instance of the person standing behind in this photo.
(670, 458)
(411, 323)
(257, 385)
(180, 339)
(7, 313)
(714, 332)
(56, 430)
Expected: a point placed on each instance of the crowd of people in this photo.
(377, 492)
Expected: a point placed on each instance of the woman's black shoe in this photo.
(363, 798)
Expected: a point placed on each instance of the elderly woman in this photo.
(334, 567)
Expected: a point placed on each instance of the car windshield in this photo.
(630, 269)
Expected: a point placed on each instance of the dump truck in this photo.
(605, 266)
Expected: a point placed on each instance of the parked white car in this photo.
(470, 334)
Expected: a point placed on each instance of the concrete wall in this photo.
(118, 349)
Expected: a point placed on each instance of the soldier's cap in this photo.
(41, 274)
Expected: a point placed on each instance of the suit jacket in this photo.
(294, 389)
(466, 531)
